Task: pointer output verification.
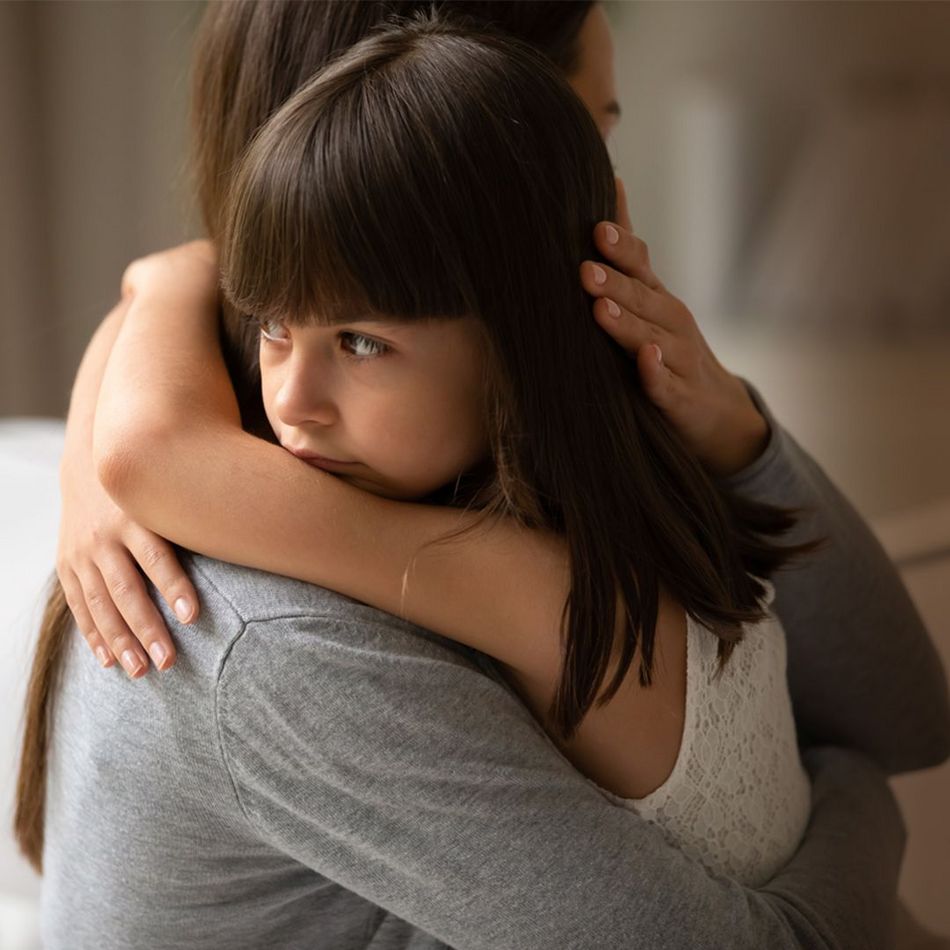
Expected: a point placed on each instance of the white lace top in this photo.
(738, 798)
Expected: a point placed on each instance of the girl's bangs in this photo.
(331, 219)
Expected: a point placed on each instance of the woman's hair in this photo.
(433, 172)
(249, 57)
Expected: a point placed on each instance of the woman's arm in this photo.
(862, 668)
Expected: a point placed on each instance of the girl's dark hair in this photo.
(250, 56)
(435, 172)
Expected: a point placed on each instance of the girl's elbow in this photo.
(124, 462)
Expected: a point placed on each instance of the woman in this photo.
(644, 641)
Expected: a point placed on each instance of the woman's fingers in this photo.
(157, 559)
(110, 623)
(627, 253)
(630, 294)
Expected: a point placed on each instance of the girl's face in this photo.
(394, 407)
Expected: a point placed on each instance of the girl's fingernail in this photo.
(612, 308)
(612, 234)
(131, 662)
(102, 656)
(182, 609)
(158, 653)
(600, 275)
(659, 354)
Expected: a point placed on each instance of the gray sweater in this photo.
(316, 774)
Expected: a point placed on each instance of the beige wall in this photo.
(92, 108)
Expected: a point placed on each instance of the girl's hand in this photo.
(708, 406)
(100, 552)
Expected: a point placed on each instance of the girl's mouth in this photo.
(318, 461)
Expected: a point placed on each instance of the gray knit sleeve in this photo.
(862, 669)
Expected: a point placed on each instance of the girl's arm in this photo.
(88, 572)
(171, 451)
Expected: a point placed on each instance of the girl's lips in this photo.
(319, 461)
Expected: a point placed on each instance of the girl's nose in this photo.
(305, 396)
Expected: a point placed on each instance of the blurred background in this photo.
(788, 164)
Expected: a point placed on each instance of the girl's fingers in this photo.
(157, 559)
(626, 252)
(77, 606)
(142, 618)
(109, 623)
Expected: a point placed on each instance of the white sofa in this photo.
(29, 514)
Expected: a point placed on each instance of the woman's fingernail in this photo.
(158, 653)
(612, 234)
(131, 662)
(600, 275)
(659, 354)
(612, 308)
(182, 609)
(102, 656)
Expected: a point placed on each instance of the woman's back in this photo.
(153, 837)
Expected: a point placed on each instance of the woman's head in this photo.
(408, 227)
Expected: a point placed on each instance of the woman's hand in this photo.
(708, 406)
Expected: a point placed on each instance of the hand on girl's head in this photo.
(707, 405)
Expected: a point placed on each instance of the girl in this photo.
(525, 433)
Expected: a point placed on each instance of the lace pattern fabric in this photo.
(738, 799)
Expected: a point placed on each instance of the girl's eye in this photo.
(274, 331)
(362, 347)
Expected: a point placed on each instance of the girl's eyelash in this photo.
(267, 326)
(375, 346)
(352, 342)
